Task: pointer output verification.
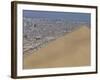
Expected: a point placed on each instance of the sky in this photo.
(69, 16)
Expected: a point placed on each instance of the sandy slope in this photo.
(72, 49)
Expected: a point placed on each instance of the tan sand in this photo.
(70, 50)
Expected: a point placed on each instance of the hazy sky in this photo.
(69, 16)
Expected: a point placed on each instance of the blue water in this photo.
(69, 16)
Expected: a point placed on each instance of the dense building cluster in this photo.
(39, 31)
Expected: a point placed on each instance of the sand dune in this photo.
(71, 50)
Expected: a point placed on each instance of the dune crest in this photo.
(70, 50)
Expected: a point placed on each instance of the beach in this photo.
(70, 50)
